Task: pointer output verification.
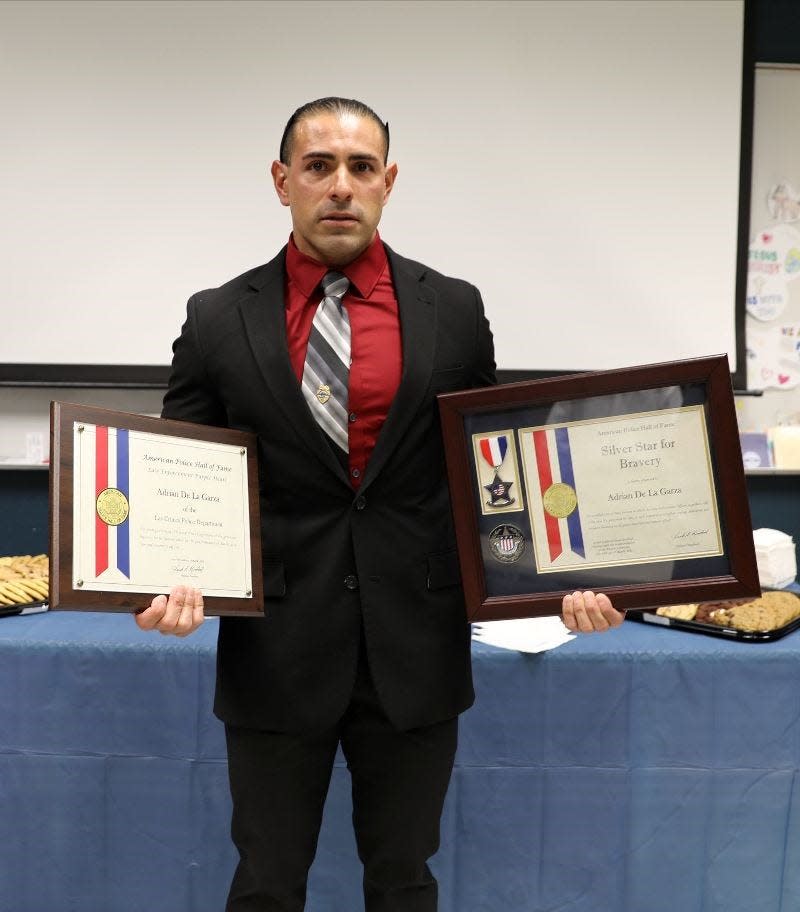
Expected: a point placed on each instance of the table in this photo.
(639, 771)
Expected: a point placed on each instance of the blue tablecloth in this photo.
(641, 771)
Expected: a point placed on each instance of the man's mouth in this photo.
(340, 217)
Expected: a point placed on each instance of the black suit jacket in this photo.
(334, 559)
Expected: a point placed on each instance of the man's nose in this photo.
(341, 186)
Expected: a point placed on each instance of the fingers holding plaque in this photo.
(621, 491)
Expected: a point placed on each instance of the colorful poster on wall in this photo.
(773, 296)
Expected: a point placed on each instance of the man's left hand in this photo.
(585, 612)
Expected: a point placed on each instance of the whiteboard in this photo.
(577, 161)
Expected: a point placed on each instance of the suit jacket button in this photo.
(361, 502)
(351, 581)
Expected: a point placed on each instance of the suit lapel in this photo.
(264, 319)
(417, 305)
(263, 314)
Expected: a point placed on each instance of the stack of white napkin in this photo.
(775, 556)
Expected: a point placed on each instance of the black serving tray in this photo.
(725, 633)
(25, 608)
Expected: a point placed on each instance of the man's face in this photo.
(336, 185)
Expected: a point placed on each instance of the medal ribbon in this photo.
(102, 531)
(100, 484)
(123, 529)
(493, 450)
(545, 480)
(568, 477)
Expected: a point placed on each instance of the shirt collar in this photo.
(364, 272)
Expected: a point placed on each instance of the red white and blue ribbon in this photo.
(111, 469)
(553, 465)
(493, 449)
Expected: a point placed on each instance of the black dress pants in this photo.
(279, 782)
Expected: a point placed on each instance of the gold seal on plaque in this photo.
(112, 506)
(323, 393)
(560, 500)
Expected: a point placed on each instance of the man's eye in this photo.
(317, 166)
(363, 166)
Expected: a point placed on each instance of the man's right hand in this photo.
(179, 615)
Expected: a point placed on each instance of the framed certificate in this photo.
(628, 482)
(139, 505)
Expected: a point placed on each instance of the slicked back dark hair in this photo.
(331, 105)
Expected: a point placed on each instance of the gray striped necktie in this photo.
(327, 365)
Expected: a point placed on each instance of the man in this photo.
(364, 640)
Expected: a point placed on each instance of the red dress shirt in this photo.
(375, 342)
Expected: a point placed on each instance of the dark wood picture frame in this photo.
(734, 574)
(63, 417)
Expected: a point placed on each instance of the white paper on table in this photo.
(523, 635)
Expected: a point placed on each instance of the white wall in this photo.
(577, 160)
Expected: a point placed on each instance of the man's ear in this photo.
(280, 173)
(389, 177)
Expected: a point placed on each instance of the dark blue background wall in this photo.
(23, 511)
